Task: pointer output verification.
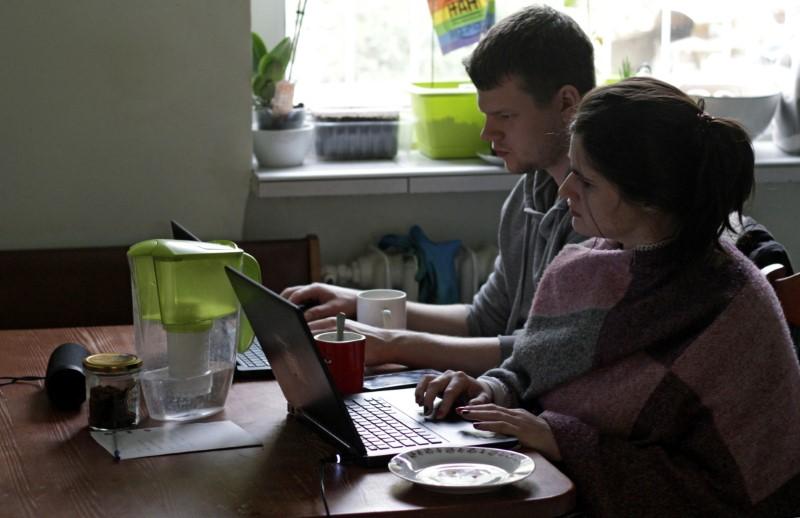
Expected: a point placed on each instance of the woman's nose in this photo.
(566, 189)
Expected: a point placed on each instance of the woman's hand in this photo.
(331, 300)
(531, 431)
(452, 387)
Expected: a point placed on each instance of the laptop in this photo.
(369, 427)
(252, 362)
(182, 233)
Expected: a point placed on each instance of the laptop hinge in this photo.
(350, 449)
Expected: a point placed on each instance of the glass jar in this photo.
(112, 389)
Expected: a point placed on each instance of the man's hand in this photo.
(380, 342)
(330, 300)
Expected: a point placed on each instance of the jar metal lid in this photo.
(112, 363)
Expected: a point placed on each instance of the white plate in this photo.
(492, 159)
(461, 470)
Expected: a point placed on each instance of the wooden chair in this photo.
(286, 262)
(91, 286)
(787, 288)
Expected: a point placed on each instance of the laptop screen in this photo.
(296, 362)
(180, 232)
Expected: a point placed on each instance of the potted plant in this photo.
(272, 94)
(281, 138)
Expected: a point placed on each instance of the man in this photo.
(531, 70)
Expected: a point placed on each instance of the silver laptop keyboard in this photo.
(379, 430)
(253, 358)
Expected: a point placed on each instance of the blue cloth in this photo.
(436, 273)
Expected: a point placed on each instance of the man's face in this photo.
(526, 135)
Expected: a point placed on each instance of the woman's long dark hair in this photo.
(661, 150)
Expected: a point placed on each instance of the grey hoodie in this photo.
(534, 225)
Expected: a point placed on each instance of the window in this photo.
(366, 52)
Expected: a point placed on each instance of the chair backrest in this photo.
(787, 289)
(286, 262)
(64, 287)
(91, 286)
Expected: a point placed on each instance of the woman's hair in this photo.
(544, 48)
(662, 151)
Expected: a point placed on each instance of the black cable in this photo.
(14, 379)
(322, 485)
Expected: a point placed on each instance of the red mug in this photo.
(344, 359)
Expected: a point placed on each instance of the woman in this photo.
(656, 357)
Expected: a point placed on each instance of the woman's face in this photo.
(599, 210)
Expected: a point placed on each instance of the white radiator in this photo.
(378, 269)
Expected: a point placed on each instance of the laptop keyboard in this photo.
(379, 430)
(252, 359)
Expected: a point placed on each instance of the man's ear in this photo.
(568, 98)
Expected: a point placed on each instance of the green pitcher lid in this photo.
(179, 249)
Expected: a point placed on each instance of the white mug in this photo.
(382, 308)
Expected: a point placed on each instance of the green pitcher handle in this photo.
(251, 269)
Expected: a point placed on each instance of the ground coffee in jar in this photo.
(112, 389)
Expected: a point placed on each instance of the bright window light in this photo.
(366, 53)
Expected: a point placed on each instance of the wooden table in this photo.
(50, 465)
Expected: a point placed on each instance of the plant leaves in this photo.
(258, 83)
(275, 70)
(259, 50)
(267, 93)
(283, 51)
(269, 67)
(264, 63)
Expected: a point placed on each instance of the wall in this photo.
(347, 224)
(116, 116)
(777, 206)
(268, 20)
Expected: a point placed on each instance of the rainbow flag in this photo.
(459, 23)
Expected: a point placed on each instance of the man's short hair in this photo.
(544, 48)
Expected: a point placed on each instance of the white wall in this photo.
(777, 206)
(268, 20)
(347, 224)
(116, 116)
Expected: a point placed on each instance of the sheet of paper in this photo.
(175, 438)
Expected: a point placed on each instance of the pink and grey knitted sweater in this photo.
(671, 390)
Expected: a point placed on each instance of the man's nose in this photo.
(488, 133)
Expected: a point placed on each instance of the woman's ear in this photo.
(568, 98)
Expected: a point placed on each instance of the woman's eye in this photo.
(580, 178)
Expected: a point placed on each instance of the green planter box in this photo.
(448, 122)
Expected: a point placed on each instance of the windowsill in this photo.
(413, 173)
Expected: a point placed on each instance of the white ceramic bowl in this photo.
(282, 148)
(754, 112)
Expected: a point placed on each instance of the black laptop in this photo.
(369, 427)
